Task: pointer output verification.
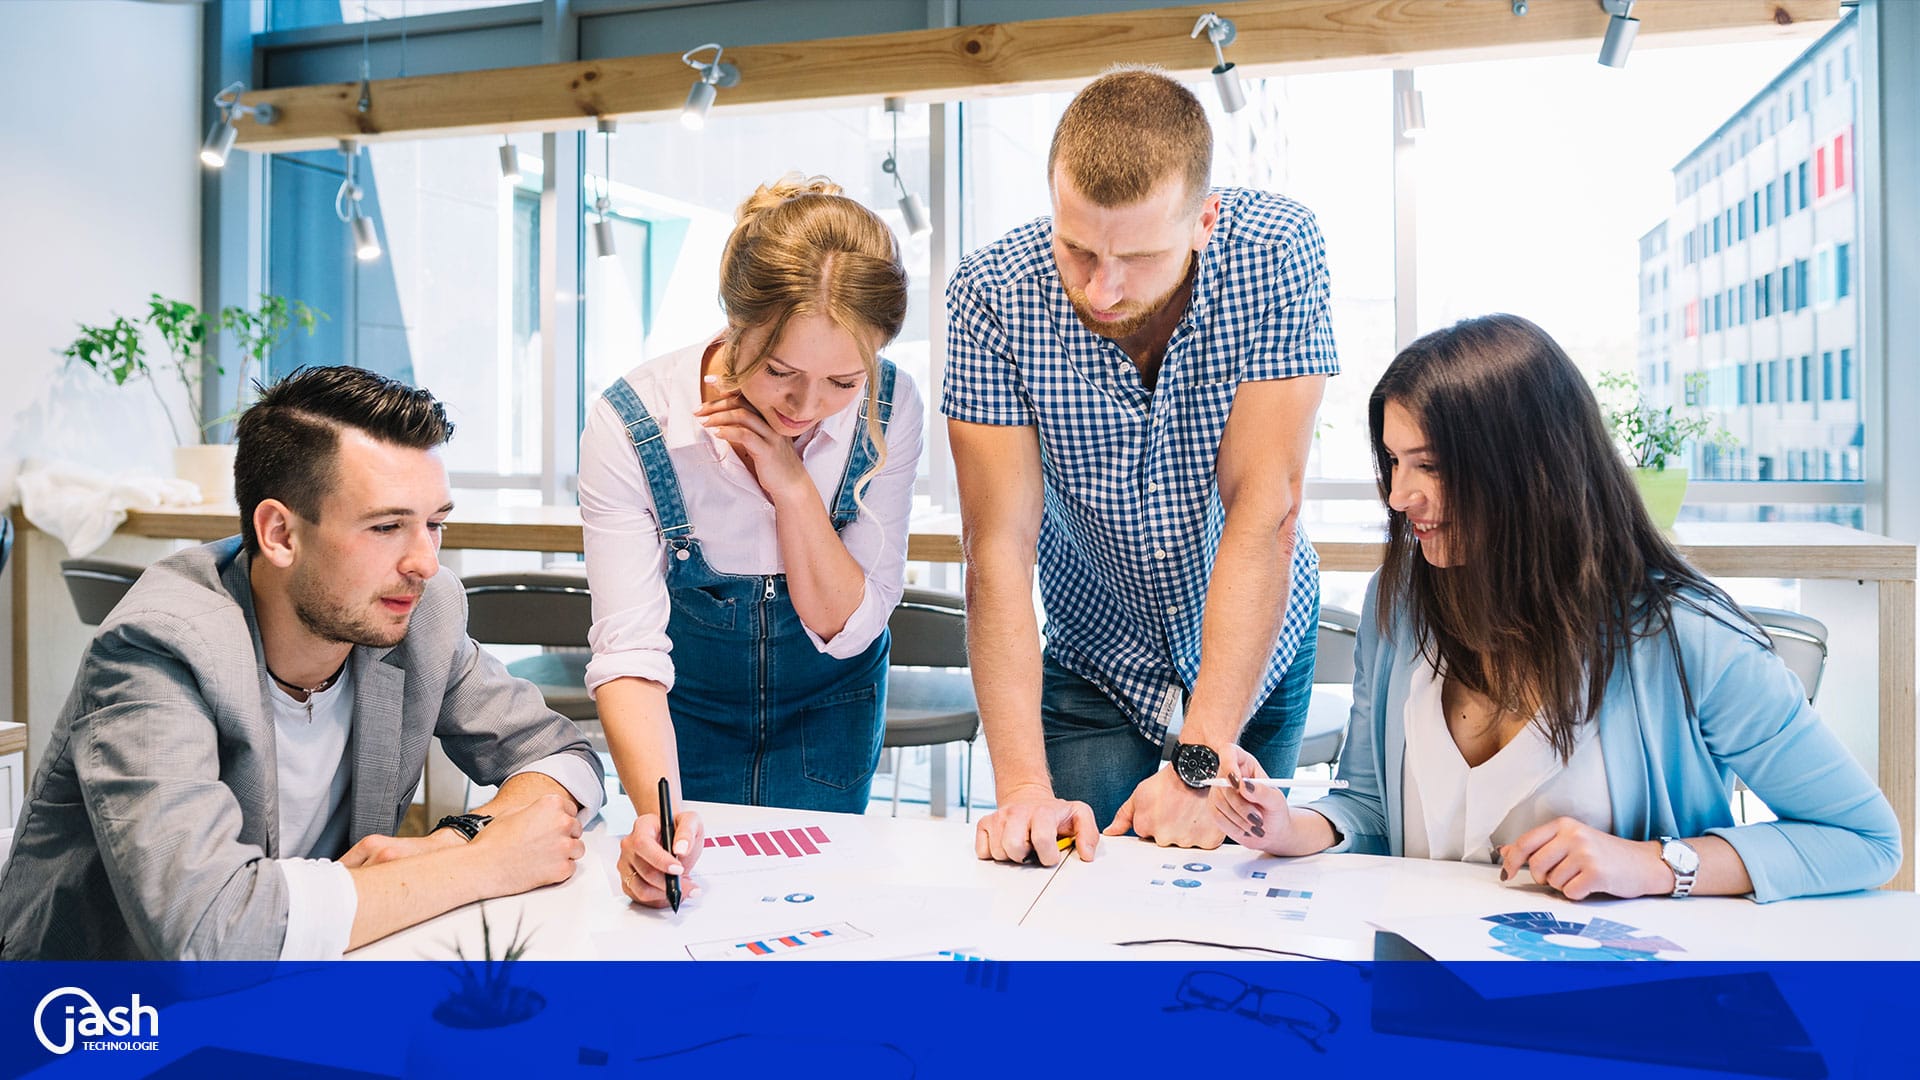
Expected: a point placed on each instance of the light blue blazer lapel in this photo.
(1393, 740)
(379, 694)
(253, 774)
(1624, 719)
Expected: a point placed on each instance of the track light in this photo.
(603, 228)
(713, 75)
(509, 161)
(1413, 113)
(346, 206)
(911, 208)
(1225, 79)
(366, 243)
(219, 141)
(1621, 30)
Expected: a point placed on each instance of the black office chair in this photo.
(97, 586)
(551, 609)
(929, 689)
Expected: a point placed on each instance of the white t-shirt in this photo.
(1456, 812)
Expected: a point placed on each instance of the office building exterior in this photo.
(1753, 279)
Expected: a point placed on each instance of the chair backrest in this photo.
(929, 629)
(1800, 641)
(1333, 649)
(97, 585)
(549, 607)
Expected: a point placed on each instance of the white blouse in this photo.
(731, 515)
(1466, 813)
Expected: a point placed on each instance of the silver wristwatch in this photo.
(1683, 861)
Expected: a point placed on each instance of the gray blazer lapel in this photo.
(379, 692)
(255, 780)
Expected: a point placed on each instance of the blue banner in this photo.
(939, 1019)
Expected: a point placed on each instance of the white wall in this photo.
(102, 208)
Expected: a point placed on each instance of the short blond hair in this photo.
(1127, 132)
(800, 247)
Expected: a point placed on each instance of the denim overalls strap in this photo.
(863, 453)
(669, 507)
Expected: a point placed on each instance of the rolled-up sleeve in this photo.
(626, 560)
(581, 780)
(877, 539)
(321, 905)
(1297, 336)
(981, 384)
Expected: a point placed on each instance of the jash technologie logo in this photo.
(85, 1024)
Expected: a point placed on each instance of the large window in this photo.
(452, 302)
(1622, 210)
(673, 197)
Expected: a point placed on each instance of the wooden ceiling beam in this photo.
(999, 58)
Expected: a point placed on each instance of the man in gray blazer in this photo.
(247, 729)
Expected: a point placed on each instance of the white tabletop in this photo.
(879, 888)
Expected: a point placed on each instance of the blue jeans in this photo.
(1098, 757)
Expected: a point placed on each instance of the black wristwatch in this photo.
(467, 825)
(1196, 763)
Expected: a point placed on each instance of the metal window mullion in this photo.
(1406, 262)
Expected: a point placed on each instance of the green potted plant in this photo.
(1652, 438)
(119, 351)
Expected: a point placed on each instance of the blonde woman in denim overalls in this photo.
(746, 503)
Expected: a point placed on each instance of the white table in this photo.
(1080, 911)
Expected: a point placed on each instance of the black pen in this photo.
(666, 841)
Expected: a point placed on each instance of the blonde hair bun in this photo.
(789, 186)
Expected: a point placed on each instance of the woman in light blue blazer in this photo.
(1543, 682)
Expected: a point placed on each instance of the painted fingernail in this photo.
(1258, 831)
(710, 378)
(675, 870)
(1254, 817)
(1503, 873)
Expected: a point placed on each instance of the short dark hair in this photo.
(1126, 132)
(288, 440)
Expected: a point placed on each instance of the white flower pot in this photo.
(210, 468)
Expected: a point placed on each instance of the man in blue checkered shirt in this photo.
(1130, 390)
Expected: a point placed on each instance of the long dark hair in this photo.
(1557, 566)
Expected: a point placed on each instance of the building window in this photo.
(1716, 232)
(1773, 201)
(1839, 161)
(1846, 374)
(1803, 185)
(1820, 171)
(1806, 377)
(1799, 284)
(1826, 376)
(1740, 218)
(1842, 271)
(1743, 303)
(1773, 380)
(1786, 184)
(1693, 319)
(1740, 389)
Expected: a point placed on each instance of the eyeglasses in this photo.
(1215, 991)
